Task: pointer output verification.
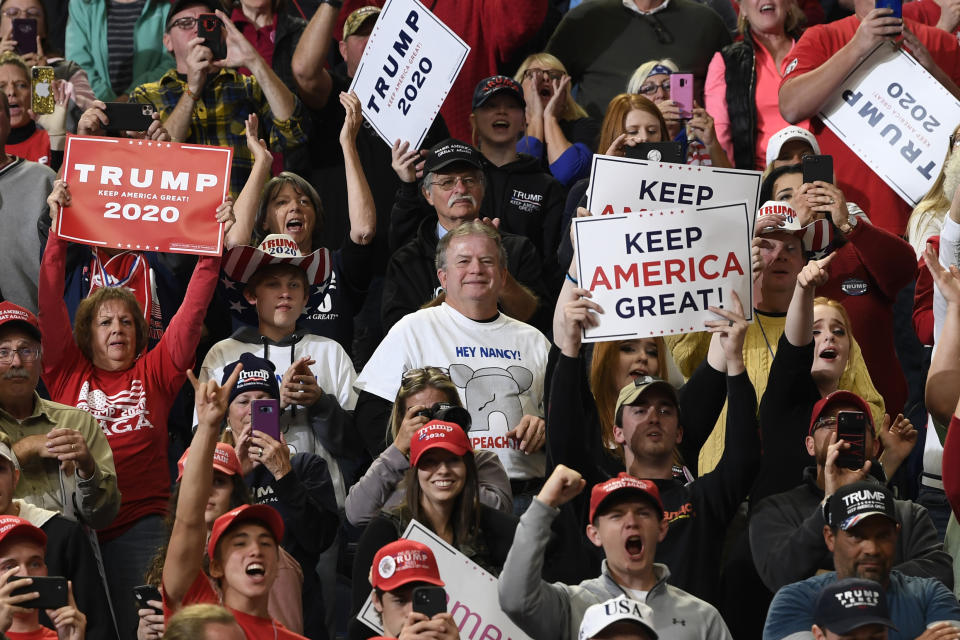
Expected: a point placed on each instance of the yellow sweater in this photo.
(762, 337)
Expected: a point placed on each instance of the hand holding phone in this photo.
(143, 594)
(51, 590)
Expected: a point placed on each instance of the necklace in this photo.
(763, 333)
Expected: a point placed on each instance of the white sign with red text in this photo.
(897, 118)
(655, 273)
(471, 592)
(408, 66)
(144, 194)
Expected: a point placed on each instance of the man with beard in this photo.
(786, 529)
(454, 184)
(862, 528)
(66, 463)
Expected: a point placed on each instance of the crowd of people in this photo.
(234, 446)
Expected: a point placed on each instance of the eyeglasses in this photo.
(410, 375)
(651, 87)
(186, 23)
(826, 423)
(553, 74)
(27, 354)
(447, 184)
(658, 29)
(32, 12)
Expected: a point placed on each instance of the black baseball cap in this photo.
(493, 85)
(451, 151)
(180, 5)
(851, 603)
(852, 504)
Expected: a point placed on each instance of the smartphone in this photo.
(210, 29)
(41, 81)
(265, 417)
(128, 116)
(681, 92)
(52, 590)
(852, 428)
(896, 5)
(817, 168)
(25, 33)
(147, 592)
(656, 152)
(429, 600)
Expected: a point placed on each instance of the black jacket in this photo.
(741, 78)
(411, 279)
(786, 538)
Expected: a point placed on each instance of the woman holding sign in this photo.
(102, 366)
(442, 493)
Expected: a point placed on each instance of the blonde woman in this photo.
(927, 217)
(559, 131)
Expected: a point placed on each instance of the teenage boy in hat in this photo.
(316, 387)
(22, 549)
(399, 568)
(621, 618)
(861, 530)
(852, 609)
(627, 522)
(243, 545)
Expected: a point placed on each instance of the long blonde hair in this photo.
(569, 110)
(935, 204)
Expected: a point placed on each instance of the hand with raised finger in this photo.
(618, 146)
(815, 274)
(404, 160)
(257, 145)
(946, 280)
(563, 485)
(272, 454)
(410, 425)
(212, 400)
(898, 438)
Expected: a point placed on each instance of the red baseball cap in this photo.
(12, 526)
(10, 312)
(437, 434)
(846, 397)
(621, 484)
(224, 459)
(402, 562)
(261, 513)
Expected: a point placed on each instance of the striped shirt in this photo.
(122, 16)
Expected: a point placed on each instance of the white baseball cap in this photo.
(621, 609)
(784, 136)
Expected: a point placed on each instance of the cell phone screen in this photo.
(852, 429)
(429, 600)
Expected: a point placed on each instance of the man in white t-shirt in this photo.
(497, 363)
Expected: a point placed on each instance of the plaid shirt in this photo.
(226, 101)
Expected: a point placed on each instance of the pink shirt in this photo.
(769, 120)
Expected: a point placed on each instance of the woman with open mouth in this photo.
(559, 131)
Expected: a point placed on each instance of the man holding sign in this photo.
(817, 67)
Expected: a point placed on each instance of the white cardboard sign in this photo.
(408, 66)
(656, 272)
(471, 593)
(620, 185)
(893, 114)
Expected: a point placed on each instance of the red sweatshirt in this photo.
(131, 406)
(865, 277)
(494, 30)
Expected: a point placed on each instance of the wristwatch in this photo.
(849, 226)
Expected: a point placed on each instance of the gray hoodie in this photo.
(553, 611)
